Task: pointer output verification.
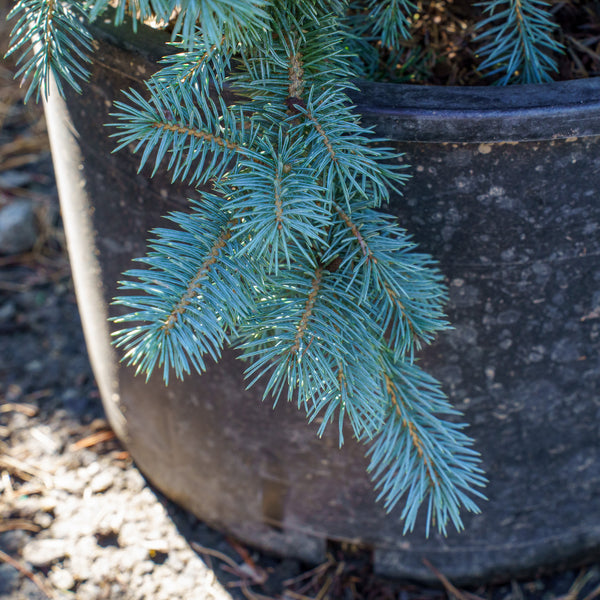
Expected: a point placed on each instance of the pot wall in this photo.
(514, 226)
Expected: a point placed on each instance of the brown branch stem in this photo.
(308, 309)
(414, 435)
(352, 226)
(195, 283)
(198, 133)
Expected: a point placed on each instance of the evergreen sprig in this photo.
(420, 457)
(390, 20)
(199, 136)
(287, 259)
(52, 42)
(519, 42)
(179, 316)
(401, 286)
(236, 20)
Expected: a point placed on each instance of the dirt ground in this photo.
(77, 519)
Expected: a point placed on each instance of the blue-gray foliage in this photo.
(52, 42)
(519, 46)
(287, 259)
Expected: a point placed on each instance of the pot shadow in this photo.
(247, 572)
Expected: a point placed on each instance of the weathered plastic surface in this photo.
(515, 228)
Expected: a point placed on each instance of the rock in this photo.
(70, 482)
(89, 591)
(131, 557)
(9, 578)
(18, 231)
(61, 578)
(12, 541)
(176, 563)
(148, 587)
(93, 469)
(48, 503)
(143, 567)
(85, 551)
(7, 312)
(101, 482)
(45, 438)
(15, 179)
(103, 566)
(170, 588)
(45, 552)
(133, 481)
(43, 519)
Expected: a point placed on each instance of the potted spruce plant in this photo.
(273, 165)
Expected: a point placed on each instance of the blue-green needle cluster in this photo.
(519, 45)
(287, 258)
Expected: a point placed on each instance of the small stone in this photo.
(170, 588)
(70, 482)
(93, 469)
(33, 366)
(48, 503)
(43, 553)
(175, 562)
(43, 519)
(45, 438)
(102, 566)
(7, 312)
(89, 591)
(81, 558)
(131, 557)
(15, 179)
(17, 227)
(13, 541)
(148, 587)
(133, 481)
(9, 579)
(143, 567)
(61, 578)
(187, 583)
(101, 482)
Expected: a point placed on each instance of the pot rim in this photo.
(440, 114)
(477, 114)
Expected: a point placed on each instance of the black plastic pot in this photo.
(504, 195)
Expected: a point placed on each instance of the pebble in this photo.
(15, 179)
(45, 552)
(12, 541)
(18, 232)
(101, 482)
(7, 312)
(176, 563)
(61, 578)
(169, 588)
(70, 482)
(43, 519)
(8, 578)
(48, 503)
(89, 591)
(133, 481)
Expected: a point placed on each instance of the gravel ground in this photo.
(77, 519)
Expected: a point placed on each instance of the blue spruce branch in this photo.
(419, 457)
(52, 43)
(326, 298)
(190, 298)
(519, 41)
